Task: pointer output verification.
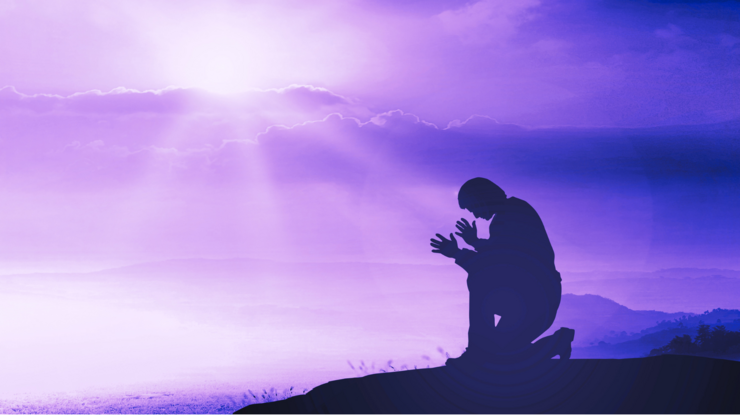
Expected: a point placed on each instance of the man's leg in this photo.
(558, 343)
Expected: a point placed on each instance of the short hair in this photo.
(479, 192)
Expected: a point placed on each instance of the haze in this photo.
(340, 131)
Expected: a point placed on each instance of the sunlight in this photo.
(259, 208)
(229, 47)
(218, 57)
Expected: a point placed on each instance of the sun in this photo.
(255, 45)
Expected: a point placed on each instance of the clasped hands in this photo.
(449, 248)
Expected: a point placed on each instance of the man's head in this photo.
(481, 197)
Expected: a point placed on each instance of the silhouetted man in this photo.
(514, 287)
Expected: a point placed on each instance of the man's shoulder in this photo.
(520, 204)
(515, 200)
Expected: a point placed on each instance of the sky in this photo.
(603, 63)
(333, 131)
(339, 131)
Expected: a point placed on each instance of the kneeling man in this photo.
(514, 287)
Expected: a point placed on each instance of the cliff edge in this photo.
(662, 384)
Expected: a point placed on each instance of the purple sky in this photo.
(331, 131)
(530, 62)
(341, 130)
(125, 176)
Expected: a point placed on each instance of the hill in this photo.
(640, 345)
(664, 384)
(596, 318)
(669, 294)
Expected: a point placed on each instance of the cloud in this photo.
(551, 47)
(336, 148)
(487, 20)
(127, 124)
(671, 32)
(566, 63)
(340, 187)
(124, 136)
(310, 95)
(478, 124)
(595, 181)
(173, 100)
(398, 117)
(518, 61)
(692, 1)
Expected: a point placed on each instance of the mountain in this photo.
(426, 302)
(640, 345)
(595, 318)
(670, 294)
(675, 273)
(426, 299)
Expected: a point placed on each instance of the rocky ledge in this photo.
(662, 384)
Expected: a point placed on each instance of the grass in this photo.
(363, 369)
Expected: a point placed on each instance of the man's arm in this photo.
(480, 244)
(449, 248)
(464, 258)
(469, 234)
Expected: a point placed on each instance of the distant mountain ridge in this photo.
(640, 345)
(670, 290)
(595, 318)
(431, 300)
(669, 294)
(674, 273)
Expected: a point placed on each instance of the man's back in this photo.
(519, 227)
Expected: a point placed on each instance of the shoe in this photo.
(470, 360)
(466, 362)
(465, 356)
(565, 338)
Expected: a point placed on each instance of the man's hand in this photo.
(444, 246)
(467, 232)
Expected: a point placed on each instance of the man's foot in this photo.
(465, 356)
(469, 360)
(565, 337)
